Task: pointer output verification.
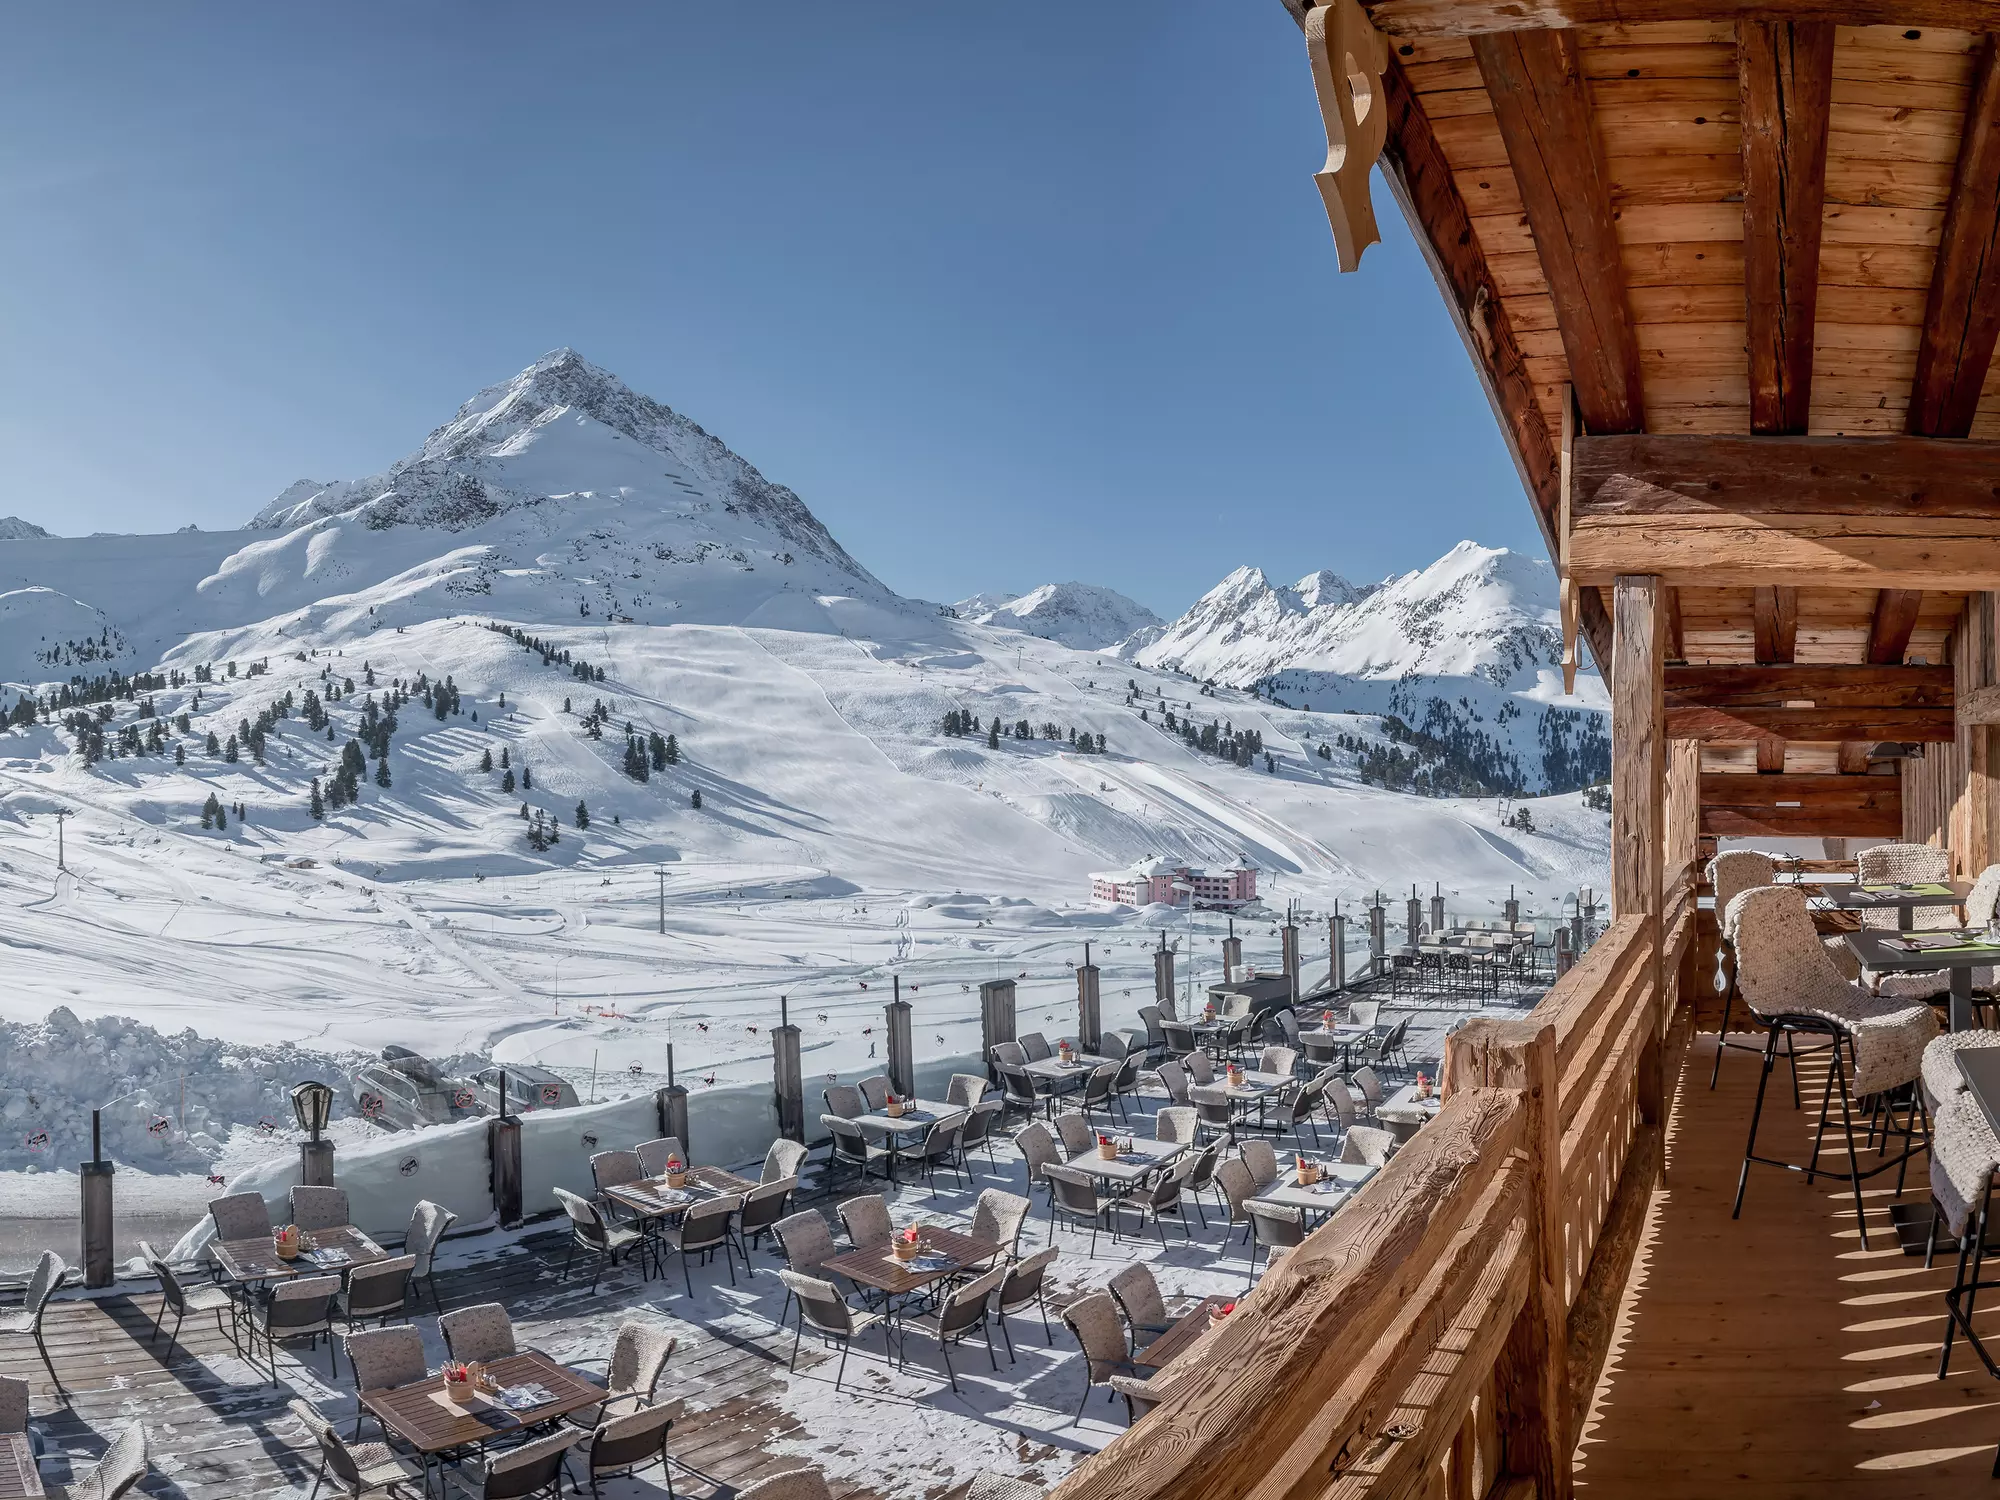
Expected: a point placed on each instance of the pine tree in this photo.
(565, 705)
(221, 817)
(507, 782)
(229, 750)
(582, 815)
(503, 757)
(208, 811)
(180, 755)
(382, 772)
(993, 736)
(673, 750)
(214, 746)
(695, 800)
(318, 806)
(527, 779)
(486, 760)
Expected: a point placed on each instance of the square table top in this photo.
(1339, 1182)
(19, 1479)
(1255, 1084)
(918, 1114)
(1887, 951)
(1180, 1334)
(653, 1196)
(1054, 1067)
(1145, 1156)
(1852, 895)
(424, 1417)
(878, 1267)
(257, 1259)
(1406, 1105)
(1344, 1033)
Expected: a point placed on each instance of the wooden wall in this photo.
(1951, 797)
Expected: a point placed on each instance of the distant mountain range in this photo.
(1083, 616)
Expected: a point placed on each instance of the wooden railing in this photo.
(1418, 1343)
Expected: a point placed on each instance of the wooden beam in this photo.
(1542, 105)
(1638, 730)
(1426, 18)
(1742, 726)
(1962, 318)
(1784, 73)
(1825, 687)
(1676, 632)
(1798, 805)
(1853, 757)
(1895, 617)
(1980, 706)
(1724, 475)
(1774, 613)
(1824, 551)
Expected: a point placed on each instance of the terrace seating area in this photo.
(898, 1325)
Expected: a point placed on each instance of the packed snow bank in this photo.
(169, 1102)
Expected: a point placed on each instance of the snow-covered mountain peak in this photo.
(14, 529)
(1083, 616)
(1327, 587)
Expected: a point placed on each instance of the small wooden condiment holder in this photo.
(1108, 1150)
(905, 1249)
(894, 1109)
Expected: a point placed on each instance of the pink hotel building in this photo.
(1152, 880)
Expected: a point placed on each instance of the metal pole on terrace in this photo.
(787, 1076)
(98, 1239)
(902, 1054)
(1089, 1028)
(1336, 933)
(1163, 976)
(671, 1103)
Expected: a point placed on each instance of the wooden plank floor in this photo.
(1772, 1356)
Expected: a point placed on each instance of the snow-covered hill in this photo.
(1084, 616)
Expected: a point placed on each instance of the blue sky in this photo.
(1007, 293)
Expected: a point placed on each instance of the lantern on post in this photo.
(312, 1106)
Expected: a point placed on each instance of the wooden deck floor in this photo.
(1772, 1356)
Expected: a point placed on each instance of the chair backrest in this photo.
(1906, 863)
(636, 1438)
(339, 1461)
(966, 1307)
(941, 1138)
(241, 1216)
(42, 1284)
(764, 1204)
(848, 1142)
(1168, 1186)
(585, 1221)
(1174, 1079)
(783, 1160)
(383, 1357)
(123, 1466)
(796, 1484)
(844, 1100)
(998, 1217)
(1984, 897)
(1363, 1145)
(1212, 1106)
(1093, 1319)
(1736, 870)
(1276, 1224)
(820, 1303)
(1075, 1191)
(1234, 1006)
(1035, 1047)
(1138, 1296)
(1363, 1012)
(654, 1155)
(1003, 1487)
(1238, 1185)
(1037, 1148)
(13, 1404)
(965, 1090)
(1261, 1160)
(1781, 966)
(1369, 1084)
(706, 1225)
(1156, 1035)
(866, 1220)
(1126, 1079)
(805, 1240)
(615, 1169)
(1078, 1134)
(319, 1207)
(874, 1090)
(1018, 1084)
(482, 1331)
(428, 1222)
(380, 1287)
(1175, 1122)
(1199, 1068)
(638, 1355)
(1344, 1107)
(1110, 1044)
(1180, 1036)
(1276, 1060)
(1024, 1278)
(300, 1304)
(1203, 1171)
(979, 1121)
(515, 1472)
(1009, 1054)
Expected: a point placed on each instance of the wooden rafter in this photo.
(1740, 726)
(1889, 631)
(1676, 631)
(1785, 83)
(1847, 806)
(1422, 18)
(1858, 476)
(1962, 318)
(1820, 686)
(1542, 104)
(1775, 622)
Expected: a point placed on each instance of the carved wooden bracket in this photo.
(1348, 57)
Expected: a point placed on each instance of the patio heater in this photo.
(312, 1106)
(1512, 909)
(1437, 908)
(1575, 908)
(1413, 915)
(1378, 935)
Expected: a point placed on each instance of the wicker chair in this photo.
(1262, 1162)
(1176, 1123)
(977, 1130)
(183, 1300)
(621, 1446)
(1793, 988)
(241, 1216)
(999, 1216)
(1023, 1288)
(14, 1404)
(1273, 1227)
(866, 1220)
(798, 1484)
(533, 1469)
(845, 1101)
(1979, 907)
(853, 1149)
(1731, 873)
(1214, 1111)
(702, 1231)
(1940, 1074)
(381, 1358)
(1366, 1146)
(1094, 1320)
(1173, 1080)
(936, 1152)
(655, 1154)
(1001, 1487)
(376, 1292)
(118, 1472)
(604, 1240)
(783, 1161)
(1078, 1135)
(822, 1306)
(1155, 1201)
(1137, 1294)
(763, 1206)
(320, 1207)
(1277, 1060)
(807, 1244)
(960, 1314)
(1964, 1157)
(428, 1223)
(1238, 1187)
(297, 1309)
(480, 1332)
(639, 1355)
(357, 1470)
(1039, 1151)
(1073, 1196)
(874, 1090)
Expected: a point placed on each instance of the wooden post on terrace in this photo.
(1163, 976)
(503, 1153)
(1638, 792)
(996, 1020)
(1378, 935)
(671, 1105)
(1512, 910)
(788, 1077)
(1437, 908)
(1532, 1375)
(1089, 1026)
(1288, 939)
(1336, 944)
(1413, 915)
(902, 1053)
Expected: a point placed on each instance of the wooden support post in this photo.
(1638, 795)
(1512, 910)
(316, 1163)
(1437, 910)
(1163, 977)
(98, 1236)
(1336, 943)
(996, 1020)
(1089, 1025)
(902, 1055)
(1288, 938)
(788, 1077)
(1532, 1375)
(503, 1150)
(1564, 958)
(1413, 917)
(670, 1104)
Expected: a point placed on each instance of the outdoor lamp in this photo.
(312, 1104)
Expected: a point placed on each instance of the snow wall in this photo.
(732, 1126)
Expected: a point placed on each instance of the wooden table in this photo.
(246, 1261)
(1180, 1334)
(1885, 953)
(420, 1414)
(878, 1268)
(19, 1479)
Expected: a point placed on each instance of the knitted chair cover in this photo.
(1781, 969)
(1964, 1153)
(1736, 870)
(1942, 1079)
(1978, 911)
(1905, 864)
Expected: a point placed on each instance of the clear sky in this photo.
(1008, 293)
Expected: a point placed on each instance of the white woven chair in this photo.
(1965, 1154)
(1731, 873)
(121, 1468)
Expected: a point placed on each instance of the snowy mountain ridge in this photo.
(1083, 616)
